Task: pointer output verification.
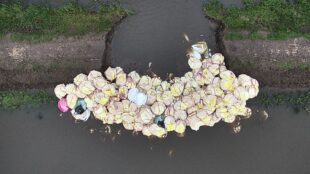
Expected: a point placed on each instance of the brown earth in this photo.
(281, 64)
(27, 65)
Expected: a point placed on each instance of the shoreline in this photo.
(26, 65)
(279, 63)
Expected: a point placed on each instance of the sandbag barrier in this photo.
(202, 97)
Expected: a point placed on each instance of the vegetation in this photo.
(42, 23)
(300, 99)
(293, 65)
(14, 99)
(264, 19)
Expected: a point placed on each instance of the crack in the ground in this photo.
(106, 58)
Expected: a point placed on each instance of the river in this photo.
(39, 140)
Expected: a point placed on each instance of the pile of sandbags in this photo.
(202, 97)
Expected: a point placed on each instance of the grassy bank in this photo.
(297, 99)
(15, 99)
(264, 19)
(39, 23)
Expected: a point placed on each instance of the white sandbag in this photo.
(110, 74)
(158, 108)
(146, 115)
(217, 58)
(141, 99)
(86, 87)
(79, 78)
(84, 116)
(70, 88)
(200, 47)
(60, 91)
(194, 63)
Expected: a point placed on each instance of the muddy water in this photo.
(40, 141)
(154, 34)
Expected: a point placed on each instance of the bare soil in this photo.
(27, 65)
(272, 63)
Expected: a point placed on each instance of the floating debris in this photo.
(92, 130)
(108, 129)
(171, 152)
(263, 115)
(186, 37)
(204, 96)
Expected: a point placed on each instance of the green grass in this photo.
(281, 19)
(39, 23)
(287, 66)
(15, 99)
(299, 99)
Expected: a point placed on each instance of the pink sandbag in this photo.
(62, 105)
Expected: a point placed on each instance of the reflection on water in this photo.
(49, 143)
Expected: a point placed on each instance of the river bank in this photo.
(40, 51)
(279, 59)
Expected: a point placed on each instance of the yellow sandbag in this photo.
(170, 123)
(194, 123)
(145, 83)
(146, 131)
(71, 100)
(210, 102)
(109, 90)
(121, 79)
(99, 82)
(180, 127)
(100, 113)
(208, 76)
(127, 118)
(176, 89)
(165, 85)
(138, 126)
(134, 76)
(157, 131)
(179, 105)
(167, 98)
(151, 97)
(101, 98)
(241, 93)
(123, 92)
(156, 81)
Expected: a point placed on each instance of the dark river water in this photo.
(40, 141)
